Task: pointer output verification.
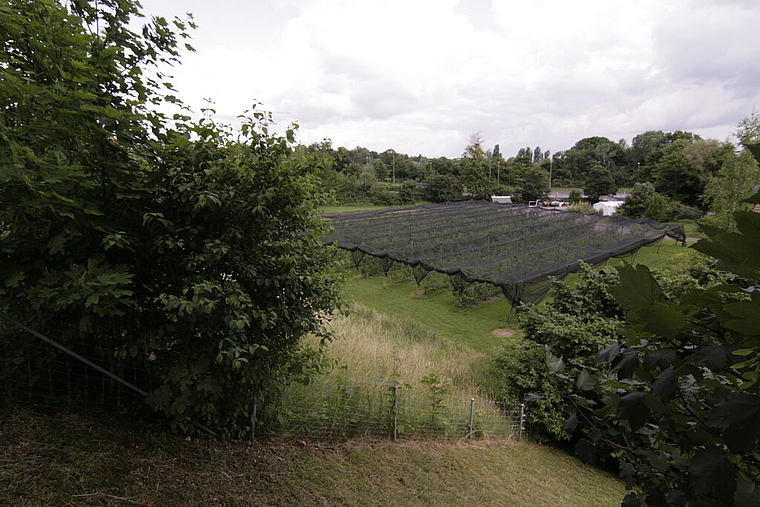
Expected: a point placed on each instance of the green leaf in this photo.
(739, 414)
(15, 278)
(632, 409)
(628, 474)
(747, 315)
(658, 460)
(678, 498)
(626, 363)
(638, 289)
(631, 500)
(718, 357)
(661, 319)
(586, 381)
(661, 359)
(608, 355)
(570, 424)
(747, 493)
(554, 363)
(710, 472)
(665, 385)
(655, 498)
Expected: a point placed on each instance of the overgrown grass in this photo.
(372, 345)
(387, 368)
(65, 459)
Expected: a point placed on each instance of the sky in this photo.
(422, 76)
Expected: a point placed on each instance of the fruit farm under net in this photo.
(514, 247)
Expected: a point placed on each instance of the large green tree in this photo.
(131, 238)
(645, 143)
(474, 169)
(677, 178)
(726, 192)
(598, 182)
(573, 166)
(534, 184)
(645, 202)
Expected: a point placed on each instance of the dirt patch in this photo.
(503, 332)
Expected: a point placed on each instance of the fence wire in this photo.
(351, 409)
(42, 372)
(39, 371)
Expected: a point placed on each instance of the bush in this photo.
(525, 377)
(645, 202)
(573, 328)
(194, 255)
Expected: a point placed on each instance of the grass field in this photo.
(345, 208)
(475, 326)
(371, 344)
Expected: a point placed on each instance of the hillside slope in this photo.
(66, 460)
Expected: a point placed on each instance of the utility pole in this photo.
(551, 166)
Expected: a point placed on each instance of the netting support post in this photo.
(511, 307)
(522, 420)
(659, 245)
(472, 417)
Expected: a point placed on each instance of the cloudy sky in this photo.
(421, 76)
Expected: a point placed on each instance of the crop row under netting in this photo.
(514, 247)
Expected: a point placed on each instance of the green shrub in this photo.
(137, 238)
(573, 326)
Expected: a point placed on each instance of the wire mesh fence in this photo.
(40, 371)
(351, 409)
(46, 373)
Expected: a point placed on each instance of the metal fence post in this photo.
(522, 420)
(254, 407)
(395, 413)
(472, 417)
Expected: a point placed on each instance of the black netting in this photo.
(514, 247)
(459, 282)
(420, 272)
(386, 263)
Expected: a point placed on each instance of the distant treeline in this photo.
(682, 174)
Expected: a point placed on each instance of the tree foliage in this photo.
(581, 321)
(196, 255)
(534, 184)
(676, 177)
(727, 191)
(645, 202)
(598, 182)
(676, 400)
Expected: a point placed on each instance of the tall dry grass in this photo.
(392, 375)
(370, 346)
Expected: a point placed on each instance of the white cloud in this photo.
(420, 76)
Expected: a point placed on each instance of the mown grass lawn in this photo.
(476, 326)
